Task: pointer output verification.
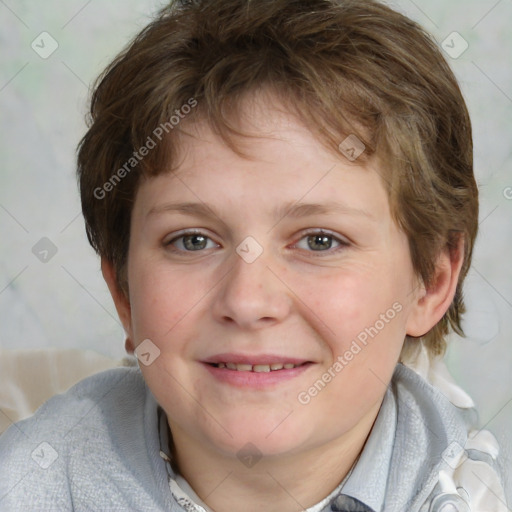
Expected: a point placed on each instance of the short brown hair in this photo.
(344, 66)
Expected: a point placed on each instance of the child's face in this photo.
(304, 299)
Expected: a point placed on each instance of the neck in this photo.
(284, 483)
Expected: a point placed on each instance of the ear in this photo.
(431, 304)
(121, 302)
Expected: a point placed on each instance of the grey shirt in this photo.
(99, 447)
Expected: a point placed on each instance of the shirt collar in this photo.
(367, 482)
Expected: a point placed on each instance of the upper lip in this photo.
(254, 359)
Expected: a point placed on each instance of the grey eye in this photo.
(319, 242)
(192, 242)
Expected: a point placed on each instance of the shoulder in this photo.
(70, 437)
(423, 403)
(437, 439)
(96, 400)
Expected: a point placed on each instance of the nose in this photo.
(251, 295)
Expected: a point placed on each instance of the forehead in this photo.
(278, 162)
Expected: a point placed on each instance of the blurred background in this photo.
(51, 290)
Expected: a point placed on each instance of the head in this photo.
(246, 107)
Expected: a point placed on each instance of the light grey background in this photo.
(63, 302)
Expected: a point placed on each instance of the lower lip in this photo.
(256, 380)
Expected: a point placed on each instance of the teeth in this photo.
(261, 368)
(244, 367)
(258, 368)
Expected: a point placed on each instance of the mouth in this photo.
(257, 368)
(257, 372)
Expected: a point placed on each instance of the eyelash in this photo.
(343, 244)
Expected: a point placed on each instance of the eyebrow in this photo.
(294, 210)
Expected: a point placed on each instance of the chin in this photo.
(263, 436)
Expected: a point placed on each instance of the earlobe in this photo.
(121, 301)
(129, 346)
(431, 302)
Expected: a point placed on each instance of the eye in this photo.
(191, 241)
(320, 241)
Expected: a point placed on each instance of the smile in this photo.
(258, 368)
(255, 372)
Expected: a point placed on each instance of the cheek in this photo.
(365, 318)
(159, 300)
(348, 303)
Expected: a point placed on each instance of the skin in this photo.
(292, 300)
